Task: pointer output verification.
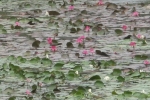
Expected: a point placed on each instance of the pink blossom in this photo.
(135, 14)
(85, 52)
(17, 24)
(139, 36)
(132, 44)
(87, 28)
(146, 62)
(124, 27)
(82, 37)
(91, 50)
(100, 2)
(28, 92)
(71, 7)
(53, 48)
(79, 40)
(49, 40)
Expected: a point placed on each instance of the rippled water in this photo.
(129, 1)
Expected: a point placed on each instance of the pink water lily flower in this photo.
(85, 52)
(17, 24)
(87, 28)
(71, 7)
(135, 14)
(82, 37)
(79, 40)
(49, 40)
(132, 43)
(146, 62)
(91, 51)
(100, 2)
(28, 92)
(124, 27)
(53, 48)
(139, 36)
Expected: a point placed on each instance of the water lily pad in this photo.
(119, 32)
(99, 84)
(58, 66)
(95, 77)
(55, 13)
(116, 72)
(12, 98)
(69, 45)
(120, 79)
(36, 44)
(141, 57)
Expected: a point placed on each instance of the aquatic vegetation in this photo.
(74, 49)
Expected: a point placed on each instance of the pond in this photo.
(74, 50)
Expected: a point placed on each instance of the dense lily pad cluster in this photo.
(74, 49)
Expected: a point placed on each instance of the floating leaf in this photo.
(78, 68)
(12, 98)
(58, 66)
(119, 32)
(127, 37)
(78, 22)
(35, 60)
(74, 30)
(17, 27)
(101, 53)
(36, 44)
(114, 93)
(112, 6)
(140, 95)
(1, 26)
(141, 57)
(116, 72)
(55, 13)
(135, 74)
(120, 79)
(95, 77)
(127, 93)
(70, 76)
(3, 31)
(31, 23)
(99, 84)
(110, 63)
(46, 62)
(69, 45)
(34, 87)
(51, 3)
(52, 86)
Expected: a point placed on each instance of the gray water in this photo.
(129, 1)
